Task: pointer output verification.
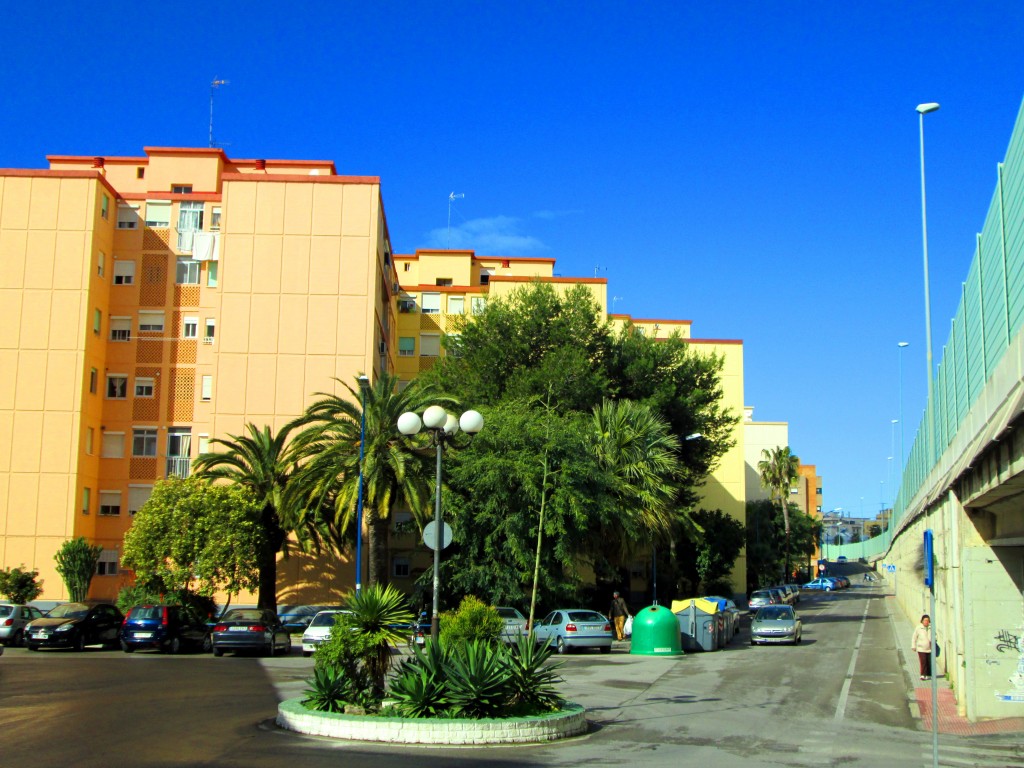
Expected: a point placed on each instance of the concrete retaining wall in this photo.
(570, 721)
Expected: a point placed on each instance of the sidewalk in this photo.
(920, 691)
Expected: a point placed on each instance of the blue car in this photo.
(570, 628)
(822, 584)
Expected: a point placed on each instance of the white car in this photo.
(515, 624)
(318, 630)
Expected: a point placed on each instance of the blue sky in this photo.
(749, 166)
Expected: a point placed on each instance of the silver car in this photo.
(776, 624)
(569, 628)
(13, 619)
(762, 597)
(515, 624)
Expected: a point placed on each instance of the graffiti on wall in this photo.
(1008, 641)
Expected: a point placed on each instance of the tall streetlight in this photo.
(922, 110)
(442, 427)
(364, 386)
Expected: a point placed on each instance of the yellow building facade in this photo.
(152, 303)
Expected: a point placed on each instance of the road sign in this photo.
(891, 568)
(929, 559)
(429, 537)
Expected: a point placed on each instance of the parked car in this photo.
(168, 628)
(822, 584)
(795, 589)
(250, 629)
(760, 598)
(318, 630)
(296, 618)
(782, 596)
(725, 605)
(515, 624)
(841, 559)
(776, 624)
(789, 593)
(13, 618)
(569, 628)
(75, 625)
(844, 582)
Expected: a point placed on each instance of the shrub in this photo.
(76, 564)
(478, 681)
(420, 689)
(531, 678)
(341, 655)
(328, 690)
(19, 585)
(473, 620)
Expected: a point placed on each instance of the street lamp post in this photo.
(442, 427)
(364, 385)
(922, 110)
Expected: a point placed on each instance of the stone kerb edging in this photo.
(569, 721)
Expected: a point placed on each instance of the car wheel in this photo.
(207, 644)
(217, 651)
(798, 639)
(80, 642)
(306, 654)
(174, 646)
(606, 649)
(19, 639)
(270, 649)
(32, 646)
(126, 648)
(561, 646)
(828, 589)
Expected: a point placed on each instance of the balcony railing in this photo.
(179, 466)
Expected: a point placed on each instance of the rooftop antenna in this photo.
(213, 86)
(452, 196)
(614, 299)
(598, 269)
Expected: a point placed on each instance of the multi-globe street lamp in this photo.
(442, 428)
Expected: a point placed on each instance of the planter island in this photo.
(569, 721)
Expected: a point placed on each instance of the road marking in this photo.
(845, 693)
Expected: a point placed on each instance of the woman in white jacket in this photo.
(922, 644)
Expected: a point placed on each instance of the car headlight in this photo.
(64, 628)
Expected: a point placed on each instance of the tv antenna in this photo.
(451, 197)
(213, 87)
(614, 299)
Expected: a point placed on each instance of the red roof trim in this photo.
(528, 279)
(292, 177)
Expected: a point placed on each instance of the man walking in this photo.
(618, 613)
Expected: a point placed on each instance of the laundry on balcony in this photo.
(206, 246)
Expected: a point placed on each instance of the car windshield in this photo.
(324, 619)
(585, 616)
(243, 614)
(509, 613)
(147, 612)
(760, 596)
(69, 611)
(775, 613)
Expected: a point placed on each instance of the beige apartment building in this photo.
(151, 303)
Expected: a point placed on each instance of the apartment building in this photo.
(152, 303)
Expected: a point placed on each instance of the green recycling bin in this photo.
(656, 633)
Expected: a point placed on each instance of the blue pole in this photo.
(359, 499)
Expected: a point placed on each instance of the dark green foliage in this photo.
(766, 541)
(137, 594)
(709, 556)
(531, 678)
(76, 564)
(478, 681)
(420, 686)
(474, 620)
(19, 585)
(328, 690)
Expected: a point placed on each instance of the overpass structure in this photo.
(967, 484)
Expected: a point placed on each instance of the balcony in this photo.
(185, 237)
(179, 466)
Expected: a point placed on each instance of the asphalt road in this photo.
(839, 698)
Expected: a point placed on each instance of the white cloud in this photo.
(495, 235)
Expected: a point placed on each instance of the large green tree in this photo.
(195, 537)
(264, 463)
(778, 468)
(704, 559)
(394, 468)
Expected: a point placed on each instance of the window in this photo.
(151, 322)
(190, 221)
(407, 304)
(144, 442)
(207, 388)
(120, 329)
(86, 500)
(127, 216)
(117, 386)
(215, 219)
(101, 264)
(400, 567)
(112, 445)
(124, 272)
(105, 207)
(187, 272)
(138, 495)
(89, 434)
(210, 331)
(110, 503)
(478, 305)
(485, 276)
(453, 344)
(430, 345)
(190, 328)
(97, 321)
(204, 444)
(456, 305)
(94, 376)
(431, 303)
(443, 281)
(158, 214)
(211, 274)
(145, 386)
(406, 267)
(140, 172)
(106, 565)
(406, 346)
(181, 189)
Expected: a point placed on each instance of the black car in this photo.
(250, 629)
(168, 628)
(75, 625)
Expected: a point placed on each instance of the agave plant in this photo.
(375, 614)
(478, 681)
(531, 678)
(327, 691)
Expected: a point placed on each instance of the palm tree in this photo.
(778, 469)
(393, 470)
(265, 464)
(635, 446)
